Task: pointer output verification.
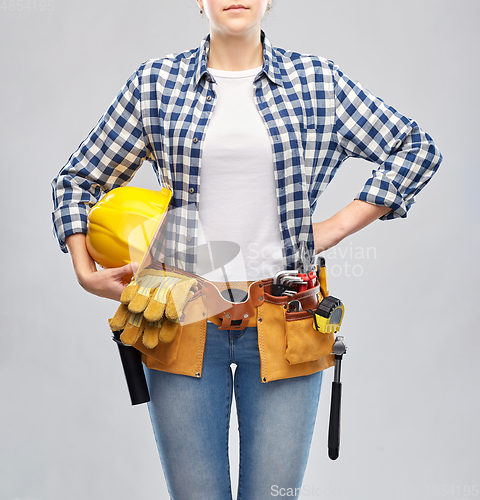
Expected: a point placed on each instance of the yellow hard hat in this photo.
(122, 224)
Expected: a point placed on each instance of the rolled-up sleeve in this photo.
(406, 156)
(106, 159)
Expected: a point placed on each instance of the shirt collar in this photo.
(202, 59)
(271, 66)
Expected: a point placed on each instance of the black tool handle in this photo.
(334, 426)
(277, 289)
(133, 369)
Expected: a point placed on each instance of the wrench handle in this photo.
(334, 425)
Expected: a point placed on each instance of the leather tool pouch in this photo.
(184, 355)
(289, 345)
(302, 342)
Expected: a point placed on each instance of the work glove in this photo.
(152, 305)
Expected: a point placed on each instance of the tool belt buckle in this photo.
(233, 315)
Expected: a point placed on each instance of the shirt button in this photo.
(209, 98)
(191, 190)
(195, 140)
(189, 238)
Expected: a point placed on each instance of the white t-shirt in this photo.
(238, 201)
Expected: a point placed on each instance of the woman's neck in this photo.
(235, 53)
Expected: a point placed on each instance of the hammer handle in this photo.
(334, 425)
(134, 374)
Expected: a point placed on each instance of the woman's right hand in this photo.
(108, 283)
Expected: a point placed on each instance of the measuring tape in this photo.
(329, 315)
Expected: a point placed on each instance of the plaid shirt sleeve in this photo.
(406, 156)
(106, 159)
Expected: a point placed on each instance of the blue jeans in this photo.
(190, 418)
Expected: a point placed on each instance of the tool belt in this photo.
(289, 345)
(295, 334)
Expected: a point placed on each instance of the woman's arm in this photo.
(349, 220)
(405, 155)
(108, 158)
(108, 283)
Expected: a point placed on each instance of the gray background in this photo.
(411, 376)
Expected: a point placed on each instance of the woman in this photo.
(262, 130)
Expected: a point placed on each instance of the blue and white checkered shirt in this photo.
(316, 118)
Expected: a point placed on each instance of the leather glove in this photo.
(137, 294)
(158, 294)
(133, 329)
(152, 304)
(134, 325)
